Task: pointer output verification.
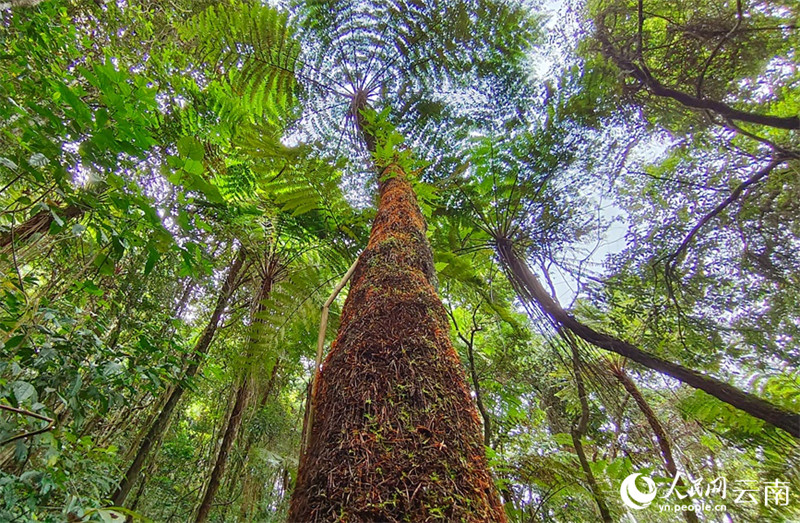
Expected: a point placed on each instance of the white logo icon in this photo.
(635, 498)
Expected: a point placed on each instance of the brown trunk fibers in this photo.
(395, 436)
(658, 429)
(531, 290)
(161, 422)
(39, 222)
(323, 327)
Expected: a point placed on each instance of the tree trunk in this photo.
(273, 272)
(476, 384)
(252, 486)
(228, 439)
(530, 290)
(395, 435)
(655, 425)
(579, 429)
(39, 222)
(162, 420)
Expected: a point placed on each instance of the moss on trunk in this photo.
(396, 436)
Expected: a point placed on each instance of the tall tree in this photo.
(272, 269)
(511, 230)
(143, 140)
(394, 327)
(395, 432)
(532, 290)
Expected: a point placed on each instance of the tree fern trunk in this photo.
(228, 439)
(655, 425)
(395, 435)
(243, 392)
(253, 485)
(530, 290)
(162, 420)
(39, 222)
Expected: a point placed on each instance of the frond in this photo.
(251, 47)
(406, 40)
(291, 312)
(262, 156)
(405, 54)
(236, 183)
(309, 185)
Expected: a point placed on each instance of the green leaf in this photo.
(57, 219)
(23, 391)
(152, 257)
(210, 191)
(562, 438)
(14, 342)
(189, 147)
(80, 112)
(194, 167)
(20, 451)
(112, 368)
(91, 288)
(104, 264)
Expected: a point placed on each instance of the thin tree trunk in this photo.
(395, 435)
(253, 485)
(275, 268)
(162, 420)
(228, 439)
(487, 423)
(473, 373)
(579, 429)
(148, 471)
(530, 290)
(39, 222)
(655, 425)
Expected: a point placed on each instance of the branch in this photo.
(673, 258)
(50, 424)
(658, 89)
(530, 290)
(639, 34)
(719, 45)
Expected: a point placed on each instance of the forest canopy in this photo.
(395, 260)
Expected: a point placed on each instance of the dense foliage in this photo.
(184, 183)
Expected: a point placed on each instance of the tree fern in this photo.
(404, 54)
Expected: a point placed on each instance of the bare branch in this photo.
(735, 194)
(50, 424)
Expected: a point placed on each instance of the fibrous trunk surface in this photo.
(39, 223)
(395, 435)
